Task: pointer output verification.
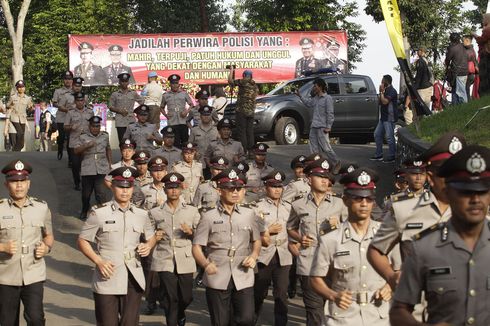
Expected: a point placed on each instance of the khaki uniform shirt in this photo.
(27, 225)
(139, 133)
(405, 218)
(310, 219)
(116, 233)
(342, 256)
(121, 164)
(78, 120)
(120, 100)
(255, 174)
(94, 159)
(455, 280)
(172, 155)
(268, 213)
(58, 96)
(174, 251)
(295, 188)
(206, 195)
(230, 149)
(17, 106)
(203, 136)
(153, 196)
(138, 197)
(228, 240)
(175, 102)
(193, 176)
(154, 93)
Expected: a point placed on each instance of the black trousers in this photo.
(314, 303)
(32, 298)
(293, 277)
(470, 80)
(20, 128)
(177, 293)
(279, 275)
(76, 166)
(60, 140)
(245, 129)
(91, 183)
(120, 133)
(225, 305)
(181, 135)
(122, 310)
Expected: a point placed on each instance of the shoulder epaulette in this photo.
(204, 181)
(204, 209)
(104, 132)
(99, 206)
(429, 230)
(297, 197)
(334, 194)
(1, 201)
(249, 205)
(402, 196)
(38, 200)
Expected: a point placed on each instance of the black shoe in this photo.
(291, 292)
(77, 188)
(150, 309)
(181, 322)
(60, 155)
(389, 160)
(376, 158)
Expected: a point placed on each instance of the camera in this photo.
(229, 66)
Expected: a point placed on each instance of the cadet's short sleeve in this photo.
(68, 119)
(56, 96)
(91, 227)
(112, 100)
(149, 228)
(293, 221)
(138, 98)
(196, 219)
(410, 287)
(188, 99)
(48, 223)
(260, 222)
(387, 235)
(255, 229)
(396, 257)
(322, 262)
(202, 232)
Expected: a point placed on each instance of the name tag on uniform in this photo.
(440, 271)
(341, 253)
(9, 217)
(217, 222)
(110, 222)
(413, 226)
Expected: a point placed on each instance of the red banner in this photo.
(203, 58)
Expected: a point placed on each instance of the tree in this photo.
(302, 15)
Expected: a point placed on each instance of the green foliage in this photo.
(302, 15)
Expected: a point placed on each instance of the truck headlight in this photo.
(259, 107)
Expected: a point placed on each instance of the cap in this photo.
(174, 79)
(242, 166)
(360, 182)
(173, 180)
(67, 75)
(17, 170)
(260, 148)
(202, 94)
(189, 147)
(157, 163)
(168, 131)
(143, 109)
(274, 179)
(206, 110)
(219, 162)
(306, 42)
(298, 162)
(413, 166)
(124, 76)
(123, 177)
(20, 83)
(95, 120)
(141, 156)
(230, 177)
(333, 44)
(247, 73)
(347, 167)
(319, 168)
(224, 123)
(78, 80)
(115, 47)
(446, 146)
(127, 143)
(469, 169)
(314, 157)
(84, 46)
(152, 74)
(79, 96)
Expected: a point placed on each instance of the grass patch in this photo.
(454, 118)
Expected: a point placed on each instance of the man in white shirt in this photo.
(153, 97)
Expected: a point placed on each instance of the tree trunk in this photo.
(204, 16)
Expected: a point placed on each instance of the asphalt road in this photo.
(68, 297)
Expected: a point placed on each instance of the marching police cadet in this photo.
(175, 222)
(243, 167)
(299, 184)
(203, 134)
(27, 237)
(142, 132)
(207, 194)
(127, 148)
(168, 150)
(116, 228)
(58, 94)
(449, 261)
(311, 217)
(154, 192)
(416, 176)
(141, 159)
(122, 103)
(230, 233)
(76, 124)
(275, 259)
(400, 184)
(175, 101)
(224, 145)
(408, 215)
(258, 169)
(92, 73)
(356, 294)
(96, 155)
(194, 118)
(17, 106)
(191, 170)
(116, 67)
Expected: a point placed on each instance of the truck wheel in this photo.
(286, 131)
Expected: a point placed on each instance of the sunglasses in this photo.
(233, 189)
(358, 199)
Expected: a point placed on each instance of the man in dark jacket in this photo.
(472, 63)
(457, 67)
(423, 84)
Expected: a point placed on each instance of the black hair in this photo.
(321, 83)
(454, 37)
(388, 79)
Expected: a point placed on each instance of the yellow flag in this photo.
(393, 21)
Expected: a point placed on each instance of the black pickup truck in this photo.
(280, 114)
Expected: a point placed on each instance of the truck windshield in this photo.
(289, 87)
